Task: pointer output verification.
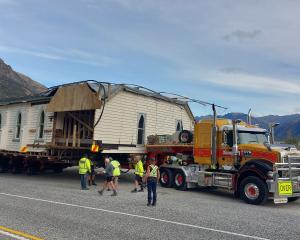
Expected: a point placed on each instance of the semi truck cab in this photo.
(236, 156)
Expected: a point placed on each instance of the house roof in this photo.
(110, 91)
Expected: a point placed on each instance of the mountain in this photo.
(14, 84)
(289, 127)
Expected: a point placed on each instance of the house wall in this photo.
(118, 124)
(29, 126)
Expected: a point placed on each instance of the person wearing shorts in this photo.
(109, 168)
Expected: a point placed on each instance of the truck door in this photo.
(226, 154)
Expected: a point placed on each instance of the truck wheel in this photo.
(292, 199)
(166, 177)
(253, 190)
(180, 181)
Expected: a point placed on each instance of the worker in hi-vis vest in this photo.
(84, 170)
(152, 178)
(116, 172)
(139, 173)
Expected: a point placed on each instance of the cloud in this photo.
(253, 83)
(30, 52)
(69, 55)
(238, 80)
(242, 35)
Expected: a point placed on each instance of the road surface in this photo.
(51, 206)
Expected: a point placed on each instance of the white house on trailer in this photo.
(71, 117)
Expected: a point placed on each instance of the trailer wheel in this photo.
(58, 170)
(180, 181)
(166, 177)
(253, 190)
(292, 199)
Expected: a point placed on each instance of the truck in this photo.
(234, 156)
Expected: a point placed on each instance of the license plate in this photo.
(285, 188)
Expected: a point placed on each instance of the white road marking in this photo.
(137, 216)
(12, 235)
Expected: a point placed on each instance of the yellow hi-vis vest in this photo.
(139, 169)
(153, 171)
(84, 166)
(116, 164)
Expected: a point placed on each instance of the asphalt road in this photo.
(51, 206)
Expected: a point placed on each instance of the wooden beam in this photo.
(80, 121)
(74, 134)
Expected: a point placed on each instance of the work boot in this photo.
(93, 183)
(134, 190)
(100, 192)
(114, 193)
(154, 204)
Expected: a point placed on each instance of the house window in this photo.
(42, 124)
(179, 126)
(141, 129)
(18, 127)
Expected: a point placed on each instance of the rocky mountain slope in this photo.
(14, 84)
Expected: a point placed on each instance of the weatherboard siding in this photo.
(118, 124)
(29, 126)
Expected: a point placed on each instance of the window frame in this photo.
(18, 126)
(176, 124)
(41, 124)
(139, 115)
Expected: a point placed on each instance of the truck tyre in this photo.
(58, 170)
(185, 136)
(166, 177)
(253, 190)
(293, 199)
(180, 181)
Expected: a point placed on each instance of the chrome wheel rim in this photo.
(251, 191)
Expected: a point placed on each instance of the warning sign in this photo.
(285, 188)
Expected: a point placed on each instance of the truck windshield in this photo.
(245, 137)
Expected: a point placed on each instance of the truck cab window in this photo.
(245, 137)
(229, 135)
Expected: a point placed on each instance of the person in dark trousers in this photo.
(109, 169)
(84, 169)
(152, 178)
(139, 173)
(93, 173)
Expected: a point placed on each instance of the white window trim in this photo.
(137, 128)
(176, 123)
(16, 126)
(39, 125)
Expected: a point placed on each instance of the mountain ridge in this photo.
(289, 127)
(15, 84)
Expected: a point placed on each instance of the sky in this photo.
(238, 54)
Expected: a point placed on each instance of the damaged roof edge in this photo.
(94, 86)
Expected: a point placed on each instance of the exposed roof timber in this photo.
(114, 89)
